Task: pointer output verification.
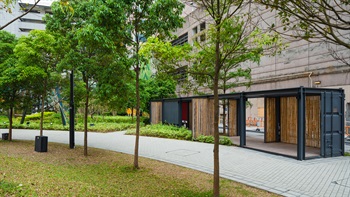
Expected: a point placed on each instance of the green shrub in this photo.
(36, 116)
(146, 121)
(225, 141)
(164, 131)
(205, 138)
(107, 114)
(210, 139)
(53, 121)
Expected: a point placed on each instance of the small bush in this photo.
(225, 141)
(107, 114)
(164, 131)
(122, 114)
(210, 139)
(36, 116)
(146, 121)
(205, 138)
(346, 154)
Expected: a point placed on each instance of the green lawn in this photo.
(66, 172)
(52, 121)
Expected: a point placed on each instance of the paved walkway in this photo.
(277, 174)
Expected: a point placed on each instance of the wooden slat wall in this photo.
(313, 132)
(289, 121)
(232, 119)
(270, 118)
(203, 117)
(156, 112)
(190, 114)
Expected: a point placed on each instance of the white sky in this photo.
(42, 2)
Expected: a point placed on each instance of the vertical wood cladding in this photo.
(232, 118)
(289, 114)
(203, 117)
(270, 118)
(156, 112)
(313, 130)
(289, 121)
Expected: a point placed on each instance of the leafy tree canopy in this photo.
(7, 44)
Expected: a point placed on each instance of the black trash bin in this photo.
(41, 143)
(5, 136)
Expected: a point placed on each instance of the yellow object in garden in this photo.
(128, 111)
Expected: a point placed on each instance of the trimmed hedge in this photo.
(36, 116)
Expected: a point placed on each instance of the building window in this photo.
(32, 11)
(25, 30)
(32, 20)
(181, 74)
(202, 28)
(180, 40)
(195, 32)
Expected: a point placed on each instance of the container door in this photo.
(332, 121)
(185, 114)
(171, 113)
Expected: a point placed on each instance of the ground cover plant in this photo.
(164, 131)
(66, 172)
(210, 139)
(53, 121)
(174, 132)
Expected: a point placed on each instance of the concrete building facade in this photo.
(302, 63)
(33, 20)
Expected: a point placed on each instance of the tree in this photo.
(113, 92)
(37, 50)
(157, 87)
(230, 41)
(148, 18)
(8, 93)
(326, 20)
(7, 44)
(93, 44)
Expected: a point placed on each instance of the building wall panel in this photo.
(232, 119)
(156, 112)
(313, 131)
(203, 117)
(270, 120)
(289, 123)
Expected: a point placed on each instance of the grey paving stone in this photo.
(277, 174)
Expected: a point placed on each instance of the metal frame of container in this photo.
(331, 115)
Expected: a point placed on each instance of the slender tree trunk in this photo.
(132, 114)
(10, 123)
(23, 115)
(136, 154)
(137, 71)
(86, 118)
(42, 110)
(216, 185)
